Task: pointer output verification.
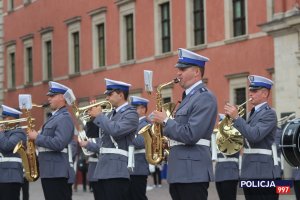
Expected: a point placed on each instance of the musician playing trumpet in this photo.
(11, 169)
(117, 132)
(259, 132)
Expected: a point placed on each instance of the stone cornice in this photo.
(281, 24)
(237, 75)
(97, 11)
(72, 20)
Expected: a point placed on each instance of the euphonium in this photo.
(156, 145)
(229, 140)
(83, 117)
(28, 154)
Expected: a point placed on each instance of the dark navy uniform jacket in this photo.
(56, 134)
(141, 165)
(10, 170)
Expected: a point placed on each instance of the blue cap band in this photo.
(10, 114)
(57, 90)
(260, 84)
(137, 103)
(190, 61)
(117, 87)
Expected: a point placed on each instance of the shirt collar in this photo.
(122, 106)
(143, 117)
(259, 105)
(187, 91)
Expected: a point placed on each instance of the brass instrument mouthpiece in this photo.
(177, 80)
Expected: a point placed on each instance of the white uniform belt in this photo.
(258, 151)
(10, 159)
(91, 159)
(203, 142)
(227, 160)
(139, 151)
(43, 149)
(114, 151)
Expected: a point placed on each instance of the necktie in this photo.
(114, 112)
(252, 111)
(183, 95)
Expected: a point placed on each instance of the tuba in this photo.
(28, 154)
(229, 140)
(156, 144)
(82, 116)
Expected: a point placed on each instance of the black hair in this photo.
(125, 93)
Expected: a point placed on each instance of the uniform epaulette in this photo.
(267, 107)
(203, 90)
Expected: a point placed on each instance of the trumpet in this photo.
(8, 124)
(84, 117)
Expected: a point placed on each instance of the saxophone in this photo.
(28, 155)
(156, 145)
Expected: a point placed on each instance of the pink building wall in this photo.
(252, 55)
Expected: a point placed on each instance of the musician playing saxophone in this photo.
(189, 162)
(11, 169)
(259, 131)
(52, 142)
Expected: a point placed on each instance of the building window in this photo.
(47, 54)
(98, 17)
(74, 44)
(127, 31)
(10, 5)
(238, 90)
(28, 59)
(76, 52)
(239, 24)
(165, 27)
(198, 22)
(101, 44)
(240, 98)
(12, 70)
(129, 36)
(28, 66)
(49, 59)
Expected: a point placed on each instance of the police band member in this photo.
(52, 142)
(117, 132)
(259, 131)
(227, 173)
(11, 169)
(189, 162)
(93, 145)
(138, 178)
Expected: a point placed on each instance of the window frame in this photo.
(125, 10)
(28, 62)
(11, 73)
(47, 62)
(239, 19)
(74, 26)
(158, 28)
